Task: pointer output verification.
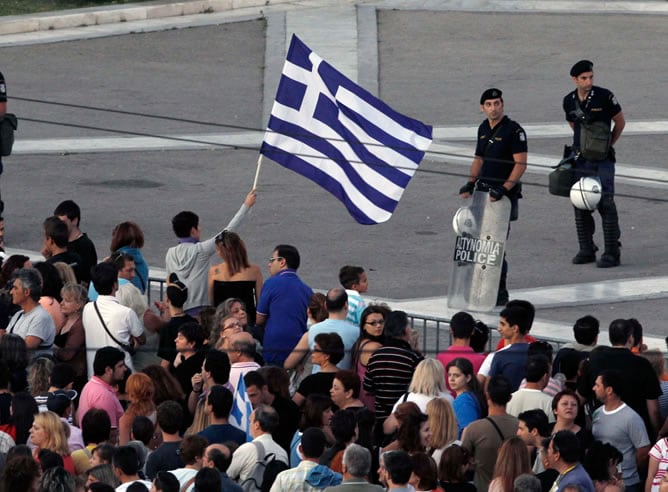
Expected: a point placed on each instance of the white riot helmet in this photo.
(463, 221)
(586, 193)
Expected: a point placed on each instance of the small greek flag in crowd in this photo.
(330, 130)
(241, 409)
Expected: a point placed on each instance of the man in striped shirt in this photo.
(391, 367)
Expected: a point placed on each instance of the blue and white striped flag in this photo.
(332, 131)
(241, 409)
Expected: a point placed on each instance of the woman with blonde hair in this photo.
(511, 462)
(140, 390)
(48, 432)
(70, 341)
(65, 272)
(235, 276)
(428, 383)
(442, 425)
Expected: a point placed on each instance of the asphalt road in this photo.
(432, 65)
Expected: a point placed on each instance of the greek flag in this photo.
(330, 130)
(241, 409)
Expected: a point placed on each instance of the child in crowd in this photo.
(354, 280)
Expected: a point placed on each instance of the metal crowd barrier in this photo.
(434, 332)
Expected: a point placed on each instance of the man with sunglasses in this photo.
(281, 310)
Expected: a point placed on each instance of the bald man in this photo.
(219, 456)
(242, 356)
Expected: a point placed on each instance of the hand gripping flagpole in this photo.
(257, 171)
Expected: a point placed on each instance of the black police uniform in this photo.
(600, 105)
(3, 98)
(496, 147)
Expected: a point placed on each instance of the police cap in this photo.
(490, 94)
(581, 67)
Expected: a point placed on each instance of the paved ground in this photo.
(428, 59)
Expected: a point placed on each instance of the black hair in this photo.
(585, 330)
(462, 325)
(193, 332)
(499, 390)
(313, 442)
(52, 284)
(349, 275)
(207, 480)
(254, 378)
(106, 357)
(479, 337)
(290, 254)
(537, 366)
(170, 416)
(95, 426)
(536, 419)
(567, 445)
(331, 344)
(398, 466)
(541, 347)
(612, 378)
(142, 429)
(220, 399)
(619, 332)
(104, 275)
(70, 209)
(56, 229)
(517, 315)
(184, 222)
(598, 459)
(395, 324)
(218, 364)
(125, 458)
(62, 374)
(166, 482)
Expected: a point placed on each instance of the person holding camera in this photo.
(499, 162)
(591, 111)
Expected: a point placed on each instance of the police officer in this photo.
(3, 110)
(585, 105)
(499, 162)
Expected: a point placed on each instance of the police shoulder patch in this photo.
(3, 89)
(523, 137)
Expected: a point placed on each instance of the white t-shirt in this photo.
(121, 321)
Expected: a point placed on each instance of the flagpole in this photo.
(257, 171)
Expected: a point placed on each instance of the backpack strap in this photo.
(259, 448)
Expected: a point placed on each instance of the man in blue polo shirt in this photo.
(282, 306)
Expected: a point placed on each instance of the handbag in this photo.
(595, 136)
(564, 176)
(127, 347)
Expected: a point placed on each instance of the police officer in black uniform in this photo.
(3, 110)
(586, 104)
(499, 162)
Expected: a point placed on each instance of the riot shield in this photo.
(482, 228)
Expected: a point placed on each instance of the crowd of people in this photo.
(240, 382)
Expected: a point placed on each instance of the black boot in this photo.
(584, 226)
(610, 257)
